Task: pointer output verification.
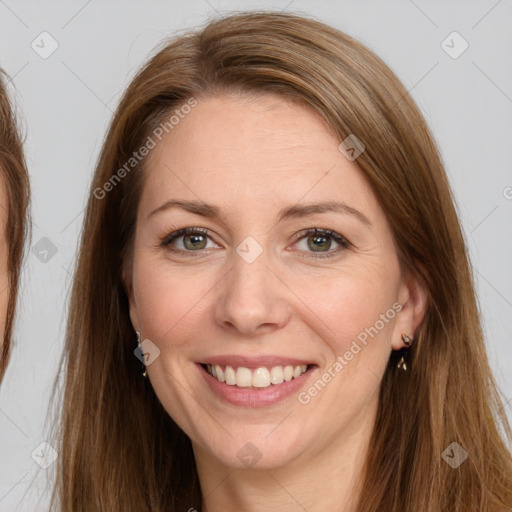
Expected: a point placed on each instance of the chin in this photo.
(259, 451)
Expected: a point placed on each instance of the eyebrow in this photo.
(295, 211)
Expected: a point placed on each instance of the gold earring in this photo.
(402, 364)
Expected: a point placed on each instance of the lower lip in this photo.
(255, 397)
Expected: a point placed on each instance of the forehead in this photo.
(232, 149)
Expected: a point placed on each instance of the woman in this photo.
(215, 359)
(14, 199)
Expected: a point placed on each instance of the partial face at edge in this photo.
(4, 269)
(305, 297)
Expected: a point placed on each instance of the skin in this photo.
(251, 157)
(4, 270)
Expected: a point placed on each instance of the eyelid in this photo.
(343, 242)
(170, 237)
(167, 240)
(320, 231)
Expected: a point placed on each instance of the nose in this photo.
(252, 298)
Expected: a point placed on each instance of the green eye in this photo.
(194, 241)
(319, 243)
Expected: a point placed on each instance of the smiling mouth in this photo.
(257, 378)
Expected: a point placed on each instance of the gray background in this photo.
(67, 100)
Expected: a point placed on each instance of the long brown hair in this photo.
(119, 449)
(14, 177)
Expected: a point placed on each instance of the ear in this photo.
(413, 298)
(126, 278)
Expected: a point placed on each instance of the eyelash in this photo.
(339, 239)
(342, 241)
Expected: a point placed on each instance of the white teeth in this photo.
(243, 377)
(276, 375)
(259, 378)
(218, 373)
(299, 370)
(229, 375)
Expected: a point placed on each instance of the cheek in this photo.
(168, 300)
(354, 305)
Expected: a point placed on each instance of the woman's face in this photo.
(255, 292)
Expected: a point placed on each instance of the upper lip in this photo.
(255, 362)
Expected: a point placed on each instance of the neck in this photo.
(329, 480)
